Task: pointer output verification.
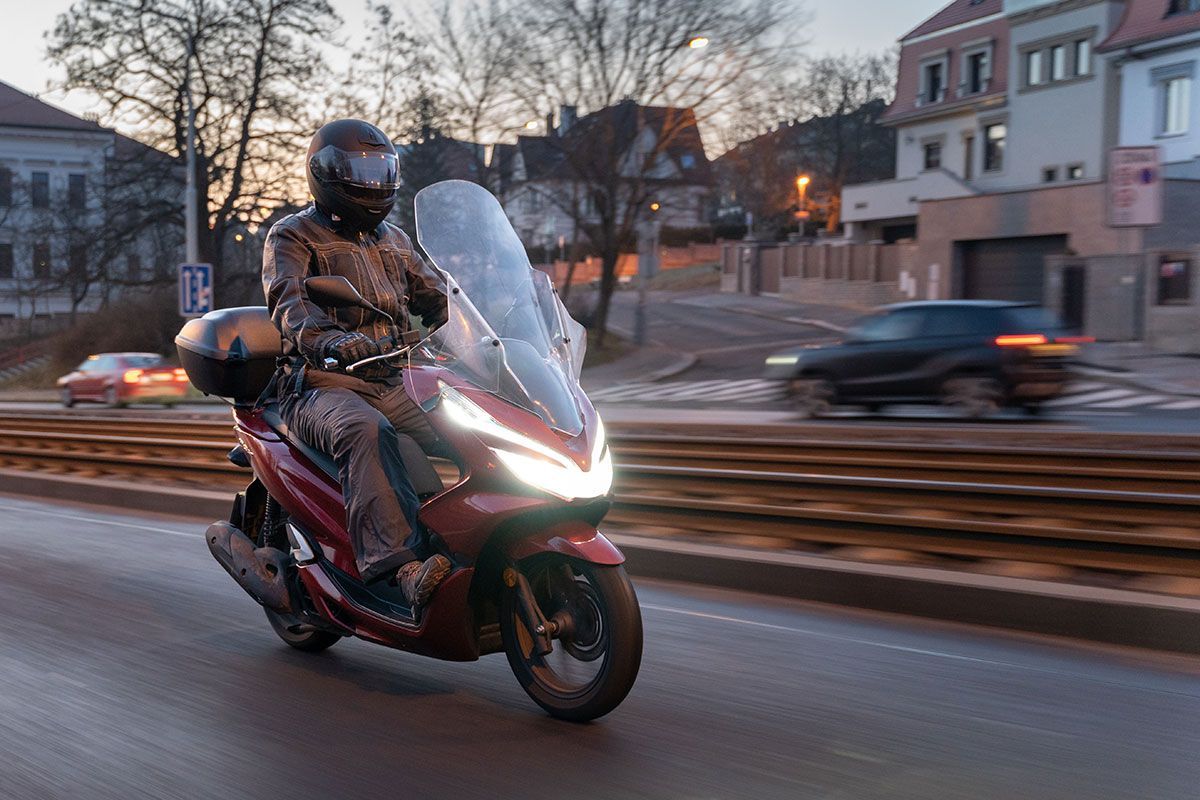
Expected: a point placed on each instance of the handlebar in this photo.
(332, 364)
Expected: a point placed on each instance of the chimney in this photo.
(567, 116)
(550, 124)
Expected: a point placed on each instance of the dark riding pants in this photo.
(356, 422)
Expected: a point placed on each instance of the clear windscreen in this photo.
(508, 333)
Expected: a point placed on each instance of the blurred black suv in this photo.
(973, 355)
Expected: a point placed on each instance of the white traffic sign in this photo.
(1135, 187)
(195, 289)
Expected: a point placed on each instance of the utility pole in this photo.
(190, 210)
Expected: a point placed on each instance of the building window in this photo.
(39, 189)
(76, 192)
(41, 260)
(1033, 68)
(1050, 175)
(1058, 62)
(1174, 282)
(1176, 102)
(977, 72)
(5, 187)
(994, 137)
(1075, 172)
(933, 155)
(968, 157)
(935, 82)
(1083, 57)
(77, 262)
(6, 261)
(1182, 7)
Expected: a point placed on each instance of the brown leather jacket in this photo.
(382, 265)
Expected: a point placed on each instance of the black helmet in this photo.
(353, 172)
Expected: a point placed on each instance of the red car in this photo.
(120, 378)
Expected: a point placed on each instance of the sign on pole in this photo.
(1135, 187)
(195, 289)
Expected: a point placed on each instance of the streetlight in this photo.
(802, 183)
(698, 42)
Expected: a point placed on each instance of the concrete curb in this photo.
(1113, 616)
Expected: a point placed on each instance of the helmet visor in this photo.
(363, 169)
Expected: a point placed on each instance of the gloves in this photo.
(349, 348)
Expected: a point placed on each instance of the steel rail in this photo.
(1121, 511)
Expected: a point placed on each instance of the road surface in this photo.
(132, 667)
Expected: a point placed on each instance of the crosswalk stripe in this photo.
(1182, 405)
(1130, 402)
(1093, 397)
(1079, 395)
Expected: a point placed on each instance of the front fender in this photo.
(573, 539)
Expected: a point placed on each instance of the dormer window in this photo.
(934, 73)
(976, 68)
(1182, 7)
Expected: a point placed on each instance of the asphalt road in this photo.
(132, 667)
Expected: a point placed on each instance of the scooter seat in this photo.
(424, 478)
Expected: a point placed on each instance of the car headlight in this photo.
(782, 361)
(540, 467)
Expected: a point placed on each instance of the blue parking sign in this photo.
(195, 289)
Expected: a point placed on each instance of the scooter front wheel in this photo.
(595, 658)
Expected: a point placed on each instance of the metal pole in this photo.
(190, 210)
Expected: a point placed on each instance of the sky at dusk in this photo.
(836, 26)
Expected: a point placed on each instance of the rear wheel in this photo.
(972, 396)
(813, 396)
(310, 640)
(595, 659)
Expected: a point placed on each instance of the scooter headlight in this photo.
(540, 467)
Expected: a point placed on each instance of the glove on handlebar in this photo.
(350, 348)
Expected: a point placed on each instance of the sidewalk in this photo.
(643, 365)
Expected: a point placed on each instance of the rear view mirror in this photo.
(334, 290)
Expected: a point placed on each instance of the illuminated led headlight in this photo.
(548, 470)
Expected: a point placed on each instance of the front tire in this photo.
(592, 669)
(68, 398)
(812, 396)
(112, 399)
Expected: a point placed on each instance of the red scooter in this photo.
(513, 497)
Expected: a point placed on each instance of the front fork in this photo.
(543, 630)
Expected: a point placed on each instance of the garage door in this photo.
(1008, 269)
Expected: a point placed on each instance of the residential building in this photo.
(1002, 175)
(642, 161)
(84, 211)
(952, 81)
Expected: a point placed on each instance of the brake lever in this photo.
(381, 357)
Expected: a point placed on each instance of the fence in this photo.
(835, 273)
(588, 270)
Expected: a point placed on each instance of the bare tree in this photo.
(255, 68)
(650, 71)
(846, 96)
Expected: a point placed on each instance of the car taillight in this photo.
(1075, 339)
(1020, 340)
(132, 375)
(180, 374)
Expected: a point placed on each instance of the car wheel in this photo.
(972, 396)
(813, 397)
(68, 398)
(111, 398)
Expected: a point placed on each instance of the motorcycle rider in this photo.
(353, 177)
